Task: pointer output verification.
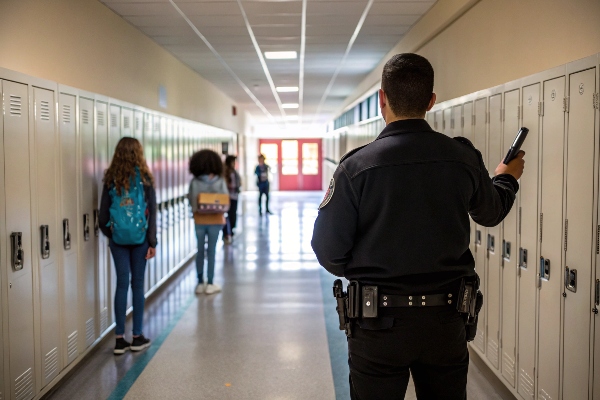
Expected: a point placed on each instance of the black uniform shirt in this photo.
(398, 216)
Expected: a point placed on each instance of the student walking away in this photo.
(422, 186)
(234, 182)
(128, 218)
(209, 198)
(262, 181)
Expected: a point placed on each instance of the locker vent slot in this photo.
(85, 116)
(44, 111)
(101, 118)
(543, 395)
(89, 331)
(24, 386)
(508, 366)
(113, 120)
(72, 345)
(137, 124)
(541, 225)
(598, 240)
(51, 364)
(566, 232)
(66, 114)
(126, 122)
(526, 383)
(104, 319)
(493, 352)
(15, 105)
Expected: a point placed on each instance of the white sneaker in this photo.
(200, 288)
(212, 288)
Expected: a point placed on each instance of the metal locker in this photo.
(494, 237)
(158, 179)
(447, 124)
(165, 199)
(101, 164)
(47, 236)
(479, 129)
(18, 257)
(176, 194)
(146, 138)
(70, 221)
(551, 239)
(114, 135)
(456, 125)
(127, 128)
(138, 126)
(430, 118)
(467, 132)
(3, 265)
(171, 193)
(580, 235)
(438, 121)
(510, 255)
(528, 246)
(88, 208)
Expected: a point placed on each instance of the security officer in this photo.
(396, 215)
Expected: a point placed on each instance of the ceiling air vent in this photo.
(45, 110)
(85, 116)
(101, 118)
(66, 114)
(126, 122)
(113, 120)
(15, 105)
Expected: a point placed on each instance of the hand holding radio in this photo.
(513, 163)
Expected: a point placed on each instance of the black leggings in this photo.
(260, 194)
(231, 218)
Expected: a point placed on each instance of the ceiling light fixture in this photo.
(290, 105)
(286, 89)
(281, 55)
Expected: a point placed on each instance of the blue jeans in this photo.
(129, 259)
(212, 232)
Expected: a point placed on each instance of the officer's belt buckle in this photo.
(427, 300)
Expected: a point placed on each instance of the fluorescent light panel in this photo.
(290, 105)
(281, 55)
(285, 89)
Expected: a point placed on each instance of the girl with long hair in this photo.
(234, 182)
(207, 168)
(128, 218)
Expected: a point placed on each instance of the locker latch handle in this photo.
(66, 235)
(596, 297)
(571, 279)
(523, 258)
(506, 250)
(45, 241)
(545, 268)
(96, 223)
(478, 237)
(86, 227)
(17, 253)
(491, 243)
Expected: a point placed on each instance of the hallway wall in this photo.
(82, 43)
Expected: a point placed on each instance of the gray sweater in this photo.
(205, 184)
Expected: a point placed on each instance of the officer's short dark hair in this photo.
(407, 81)
(206, 162)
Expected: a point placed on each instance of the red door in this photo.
(295, 163)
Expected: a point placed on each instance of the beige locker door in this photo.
(170, 140)
(18, 221)
(87, 203)
(47, 236)
(466, 124)
(127, 128)
(456, 122)
(439, 121)
(146, 139)
(528, 249)
(68, 140)
(114, 135)
(447, 124)
(138, 126)
(580, 245)
(551, 252)
(3, 264)
(494, 238)
(480, 141)
(510, 254)
(100, 165)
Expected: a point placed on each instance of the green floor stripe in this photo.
(338, 346)
(138, 367)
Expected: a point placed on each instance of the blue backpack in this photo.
(128, 220)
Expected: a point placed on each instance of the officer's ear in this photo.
(383, 104)
(432, 101)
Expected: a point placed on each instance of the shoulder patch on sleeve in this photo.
(328, 194)
(351, 152)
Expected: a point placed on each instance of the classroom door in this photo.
(295, 164)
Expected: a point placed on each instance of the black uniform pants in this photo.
(429, 342)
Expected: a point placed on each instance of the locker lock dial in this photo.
(45, 241)
(66, 235)
(17, 253)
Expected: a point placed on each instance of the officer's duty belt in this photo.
(428, 300)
